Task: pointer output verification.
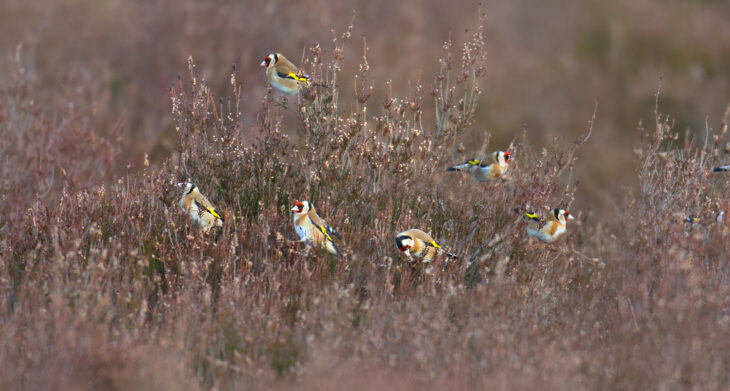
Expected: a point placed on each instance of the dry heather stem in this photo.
(112, 286)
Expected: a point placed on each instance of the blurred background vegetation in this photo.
(105, 284)
(548, 62)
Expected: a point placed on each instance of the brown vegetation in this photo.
(106, 284)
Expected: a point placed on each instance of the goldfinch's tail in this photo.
(721, 168)
(331, 248)
(450, 255)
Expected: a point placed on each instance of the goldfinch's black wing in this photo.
(326, 230)
(431, 244)
(203, 209)
(332, 231)
(437, 247)
(451, 255)
(533, 217)
(463, 166)
(292, 75)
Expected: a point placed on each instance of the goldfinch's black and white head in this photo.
(270, 60)
(504, 156)
(404, 243)
(301, 207)
(187, 187)
(562, 215)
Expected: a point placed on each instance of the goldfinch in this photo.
(418, 244)
(722, 168)
(483, 171)
(550, 230)
(691, 219)
(719, 219)
(312, 228)
(199, 208)
(283, 75)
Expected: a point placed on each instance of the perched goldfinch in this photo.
(312, 228)
(199, 208)
(691, 219)
(550, 230)
(418, 244)
(283, 75)
(484, 171)
(719, 219)
(722, 168)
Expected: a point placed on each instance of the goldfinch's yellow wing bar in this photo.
(214, 213)
(209, 210)
(293, 76)
(324, 231)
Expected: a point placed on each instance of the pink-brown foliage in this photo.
(106, 284)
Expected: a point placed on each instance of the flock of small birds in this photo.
(415, 243)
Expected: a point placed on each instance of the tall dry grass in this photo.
(106, 284)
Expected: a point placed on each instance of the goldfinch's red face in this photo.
(268, 60)
(187, 186)
(300, 207)
(404, 243)
(506, 157)
(562, 215)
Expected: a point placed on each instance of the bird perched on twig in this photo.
(283, 75)
(494, 167)
(418, 244)
(706, 221)
(550, 229)
(199, 208)
(313, 229)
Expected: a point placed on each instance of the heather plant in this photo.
(112, 286)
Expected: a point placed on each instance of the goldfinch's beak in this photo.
(181, 184)
(263, 63)
(568, 215)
